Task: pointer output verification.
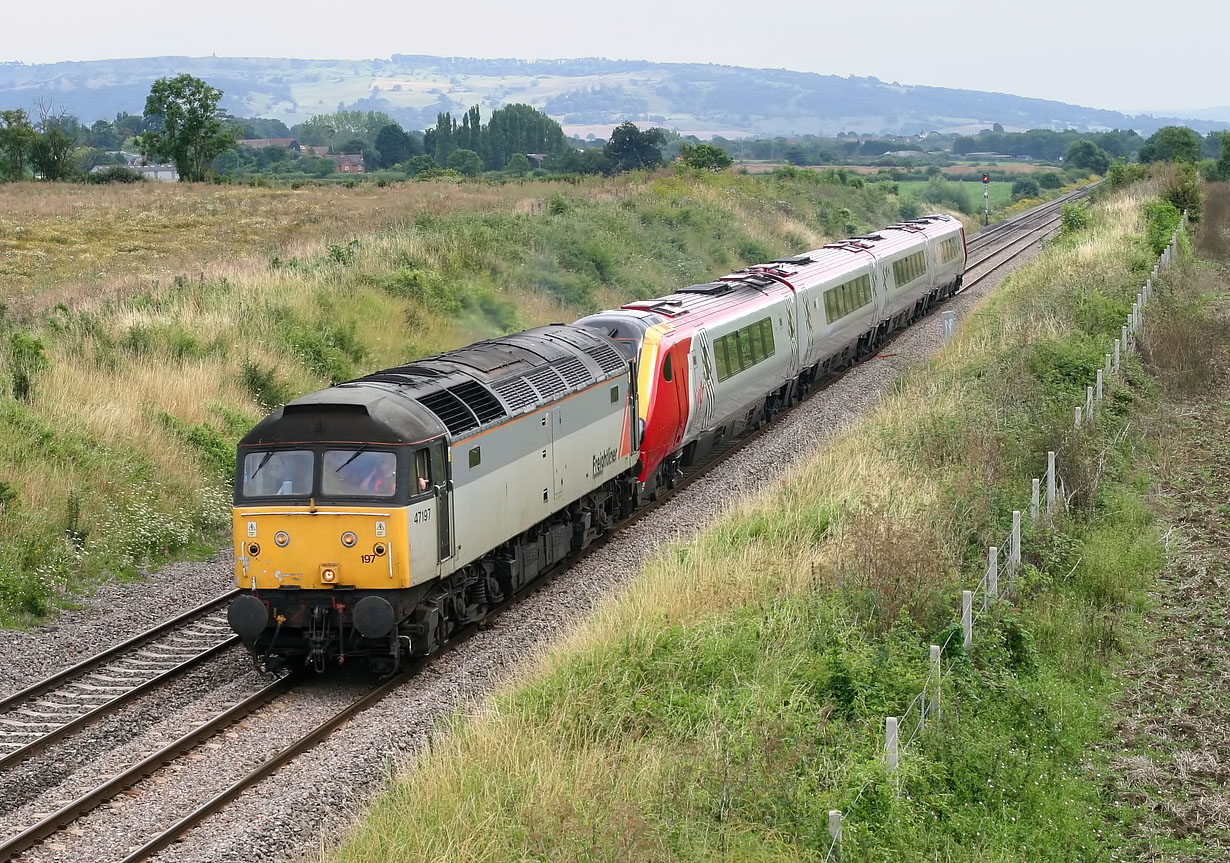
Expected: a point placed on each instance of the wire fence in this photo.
(926, 706)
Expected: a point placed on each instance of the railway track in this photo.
(988, 252)
(48, 711)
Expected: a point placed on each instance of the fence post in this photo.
(933, 707)
(991, 594)
(1116, 356)
(1089, 405)
(1106, 365)
(1033, 501)
(835, 832)
(1014, 554)
(1123, 334)
(1098, 394)
(967, 617)
(1050, 483)
(890, 743)
(1078, 418)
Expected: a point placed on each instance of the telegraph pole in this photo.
(986, 198)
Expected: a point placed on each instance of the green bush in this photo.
(1074, 218)
(27, 359)
(115, 174)
(1026, 187)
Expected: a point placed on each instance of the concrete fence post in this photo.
(1014, 555)
(948, 323)
(967, 617)
(992, 592)
(1106, 365)
(1123, 333)
(1117, 343)
(835, 833)
(1078, 418)
(1050, 483)
(933, 705)
(1098, 393)
(1089, 405)
(1033, 501)
(891, 754)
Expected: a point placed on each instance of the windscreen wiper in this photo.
(264, 461)
(352, 458)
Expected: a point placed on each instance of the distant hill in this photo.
(587, 94)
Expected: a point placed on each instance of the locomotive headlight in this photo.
(282, 538)
(328, 574)
(349, 539)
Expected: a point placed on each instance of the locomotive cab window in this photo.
(269, 473)
(422, 471)
(667, 370)
(358, 473)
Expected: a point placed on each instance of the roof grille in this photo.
(549, 385)
(607, 357)
(707, 288)
(517, 393)
(801, 260)
(456, 416)
(480, 400)
(574, 373)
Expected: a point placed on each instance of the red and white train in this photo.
(717, 358)
(375, 517)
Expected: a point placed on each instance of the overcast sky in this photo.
(1120, 54)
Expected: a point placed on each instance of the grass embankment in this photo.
(146, 328)
(738, 690)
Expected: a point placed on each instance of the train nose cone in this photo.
(248, 617)
(373, 617)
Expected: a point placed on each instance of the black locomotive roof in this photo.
(458, 391)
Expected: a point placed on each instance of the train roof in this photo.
(456, 392)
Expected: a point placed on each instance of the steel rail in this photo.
(92, 662)
(56, 821)
(40, 743)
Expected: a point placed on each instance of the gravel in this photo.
(311, 802)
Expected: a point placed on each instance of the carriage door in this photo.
(704, 379)
(444, 497)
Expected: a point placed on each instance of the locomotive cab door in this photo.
(444, 498)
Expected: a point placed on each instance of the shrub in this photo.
(1026, 187)
(26, 360)
(1183, 191)
(115, 174)
(1075, 217)
(946, 193)
(1050, 180)
(264, 384)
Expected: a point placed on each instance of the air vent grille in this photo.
(455, 415)
(550, 386)
(479, 399)
(607, 357)
(574, 372)
(517, 393)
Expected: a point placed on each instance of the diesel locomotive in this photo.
(374, 518)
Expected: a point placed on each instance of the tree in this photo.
(1172, 144)
(394, 145)
(1221, 168)
(704, 157)
(1087, 155)
(190, 133)
(420, 164)
(518, 164)
(465, 162)
(17, 138)
(53, 151)
(630, 149)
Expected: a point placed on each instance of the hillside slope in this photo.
(696, 98)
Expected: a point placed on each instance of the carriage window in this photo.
(358, 473)
(614, 395)
(267, 473)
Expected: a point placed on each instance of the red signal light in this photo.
(986, 178)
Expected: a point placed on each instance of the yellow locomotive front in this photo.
(321, 530)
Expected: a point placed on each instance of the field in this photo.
(146, 328)
(1001, 192)
(737, 691)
